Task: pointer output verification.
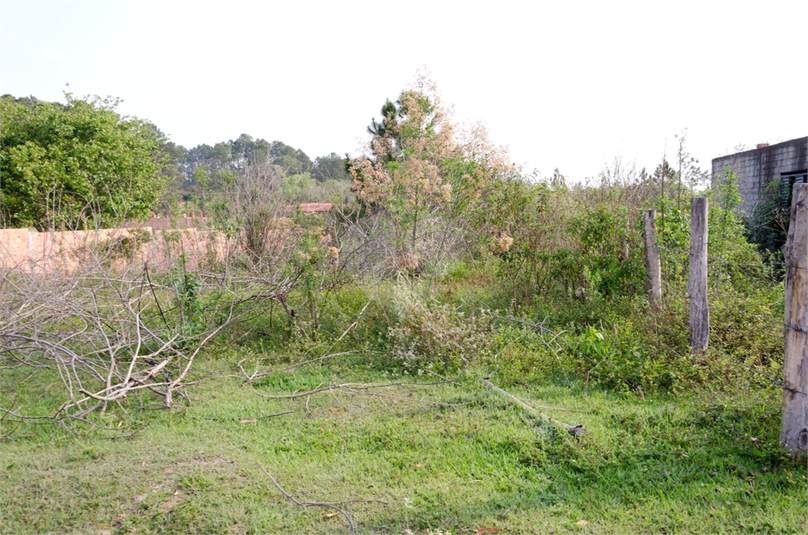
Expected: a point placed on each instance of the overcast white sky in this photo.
(571, 85)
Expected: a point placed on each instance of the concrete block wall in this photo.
(756, 168)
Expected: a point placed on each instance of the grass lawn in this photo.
(428, 458)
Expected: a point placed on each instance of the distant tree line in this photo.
(80, 164)
(202, 174)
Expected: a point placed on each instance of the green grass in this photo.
(454, 458)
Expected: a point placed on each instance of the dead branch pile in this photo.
(124, 339)
(112, 338)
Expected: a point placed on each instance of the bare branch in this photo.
(308, 504)
(574, 429)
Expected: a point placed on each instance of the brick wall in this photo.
(160, 242)
(61, 252)
(756, 168)
(167, 223)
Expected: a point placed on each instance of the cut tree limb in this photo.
(309, 504)
(574, 429)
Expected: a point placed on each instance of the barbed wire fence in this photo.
(773, 320)
(794, 322)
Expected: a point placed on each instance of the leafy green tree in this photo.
(175, 173)
(215, 158)
(299, 188)
(331, 167)
(77, 165)
(245, 151)
(292, 161)
(211, 170)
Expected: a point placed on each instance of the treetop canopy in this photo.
(76, 165)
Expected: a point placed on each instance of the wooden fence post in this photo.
(794, 431)
(31, 253)
(652, 263)
(697, 283)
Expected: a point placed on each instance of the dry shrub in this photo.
(429, 336)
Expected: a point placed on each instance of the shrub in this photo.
(523, 355)
(427, 336)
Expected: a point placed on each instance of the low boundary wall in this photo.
(30, 251)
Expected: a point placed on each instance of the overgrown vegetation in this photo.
(375, 323)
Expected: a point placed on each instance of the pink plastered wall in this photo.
(30, 251)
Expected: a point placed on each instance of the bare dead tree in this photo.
(259, 206)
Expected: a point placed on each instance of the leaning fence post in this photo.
(652, 265)
(794, 431)
(697, 283)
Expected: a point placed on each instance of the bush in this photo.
(427, 336)
(523, 355)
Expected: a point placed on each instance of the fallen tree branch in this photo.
(248, 419)
(574, 429)
(442, 377)
(538, 326)
(114, 337)
(301, 394)
(364, 390)
(255, 375)
(309, 504)
(324, 357)
(355, 323)
(24, 418)
(554, 408)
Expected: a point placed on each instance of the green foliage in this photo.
(523, 355)
(625, 360)
(292, 161)
(428, 336)
(524, 227)
(77, 165)
(187, 289)
(611, 248)
(210, 171)
(768, 225)
(298, 188)
(673, 237)
(734, 260)
(305, 188)
(576, 243)
(331, 167)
